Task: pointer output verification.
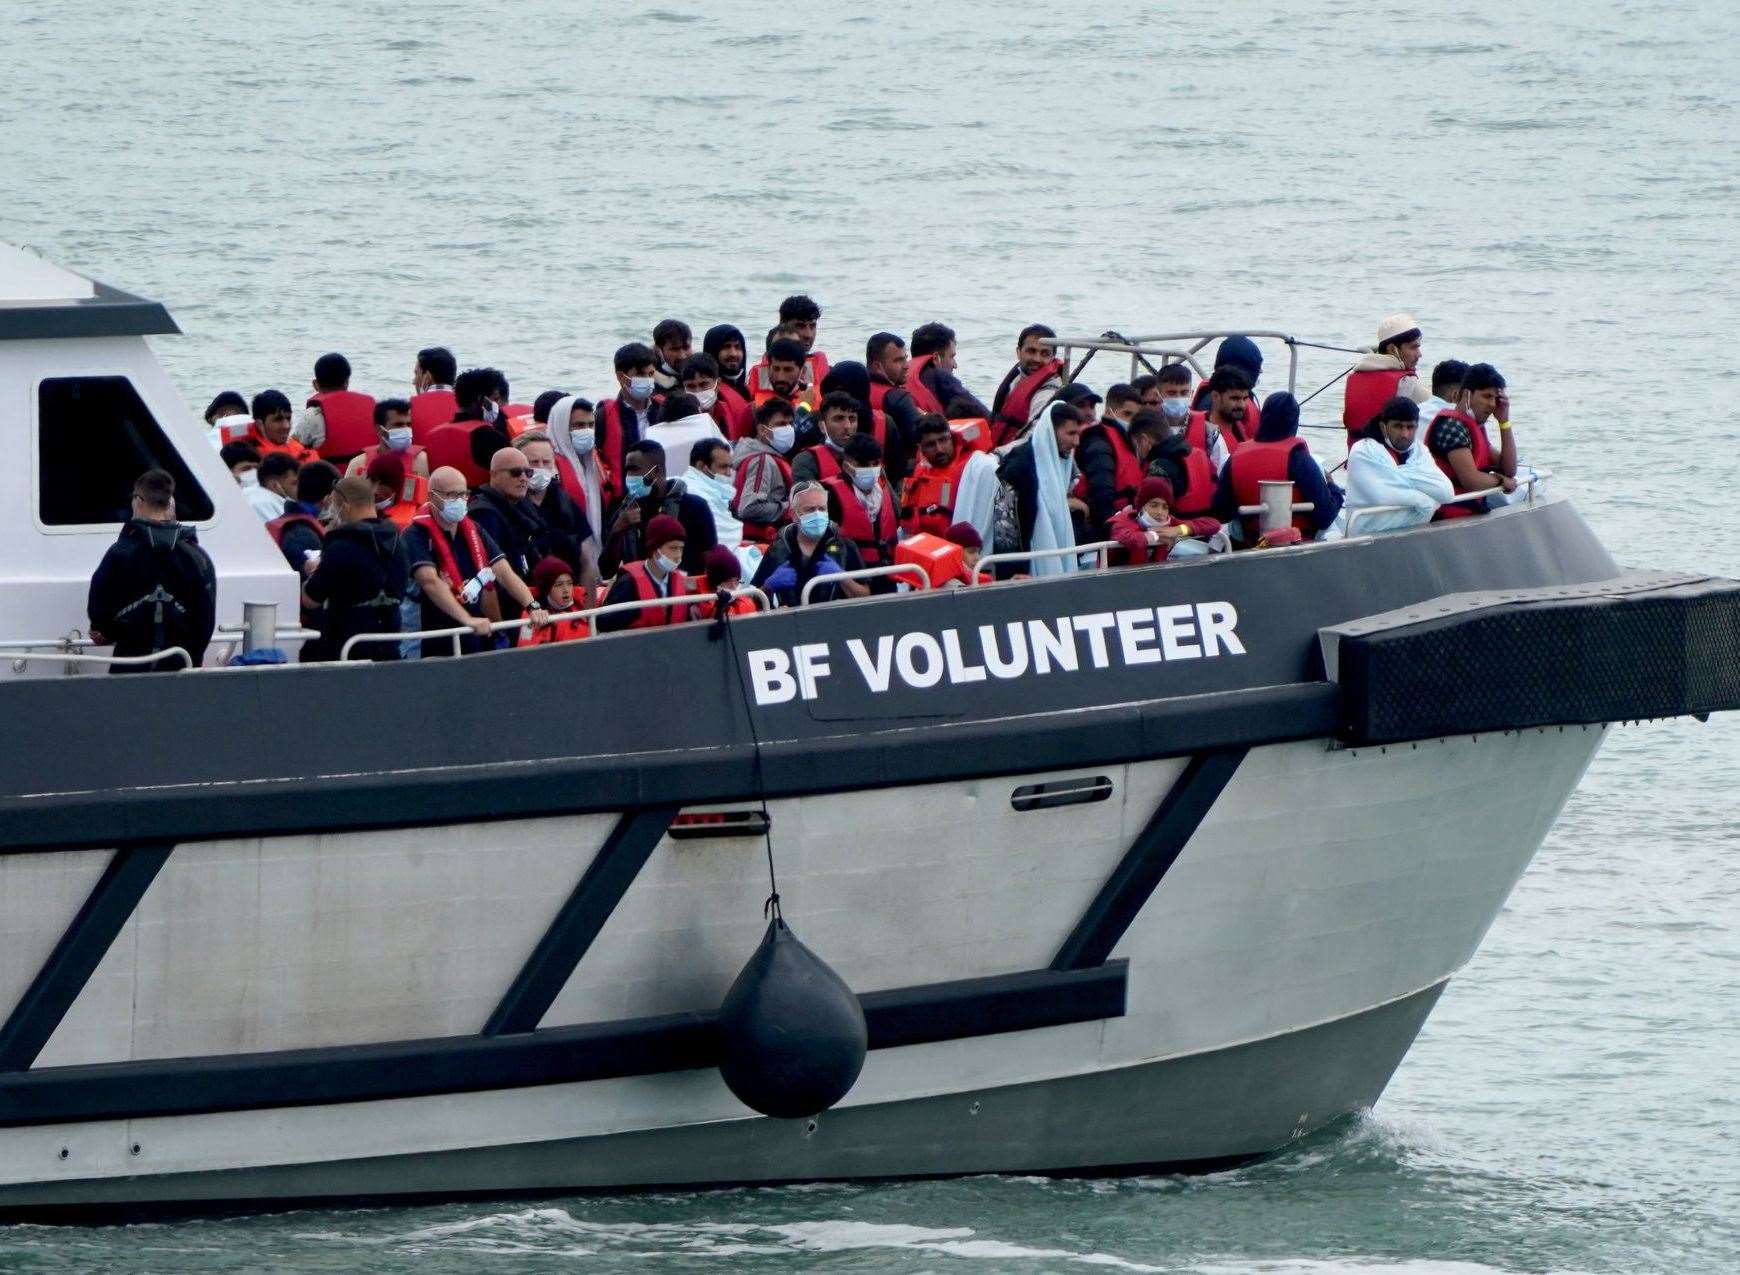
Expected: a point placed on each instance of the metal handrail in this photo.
(457, 632)
(123, 661)
(867, 573)
(1101, 550)
(1355, 514)
(681, 599)
(1299, 507)
(294, 632)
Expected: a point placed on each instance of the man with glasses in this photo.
(459, 570)
(811, 546)
(516, 524)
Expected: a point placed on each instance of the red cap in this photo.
(963, 534)
(662, 530)
(721, 565)
(547, 572)
(1155, 488)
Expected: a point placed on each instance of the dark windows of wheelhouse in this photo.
(95, 438)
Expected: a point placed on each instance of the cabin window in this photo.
(95, 437)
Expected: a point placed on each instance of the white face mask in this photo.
(1152, 524)
(783, 438)
(669, 564)
(706, 398)
(584, 440)
(541, 479)
(640, 388)
(249, 478)
(399, 438)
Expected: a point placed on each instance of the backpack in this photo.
(1006, 520)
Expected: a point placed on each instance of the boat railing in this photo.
(912, 569)
(1527, 484)
(24, 650)
(1183, 347)
(659, 604)
(457, 632)
(1101, 549)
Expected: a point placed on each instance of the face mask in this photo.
(865, 479)
(706, 398)
(541, 479)
(584, 440)
(381, 506)
(453, 510)
(814, 524)
(669, 564)
(637, 487)
(249, 478)
(640, 387)
(783, 438)
(704, 477)
(1175, 409)
(1153, 524)
(490, 410)
(399, 438)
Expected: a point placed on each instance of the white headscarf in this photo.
(976, 495)
(591, 477)
(1052, 527)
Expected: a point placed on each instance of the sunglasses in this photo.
(515, 471)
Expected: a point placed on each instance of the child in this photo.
(972, 549)
(1147, 532)
(723, 572)
(553, 589)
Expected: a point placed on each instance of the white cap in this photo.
(1396, 325)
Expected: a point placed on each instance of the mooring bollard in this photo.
(259, 626)
(1276, 497)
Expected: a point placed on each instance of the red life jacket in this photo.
(1128, 474)
(1018, 403)
(915, 386)
(1256, 463)
(759, 533)
(1365, 396)
(827, 465)
(875, 542)
(430, 410)
(1196, 433)
(610, 447)
(929, 487)
(277, 525)
(731, 414)
(448, 561)
(1253, 416)
(350, 422)
(1482, 452)
(646, 590)
(973, 432)
(559, 630)
(569, 477)
(879, 392)
(1196, 501)
(409, 456)
(707, 602)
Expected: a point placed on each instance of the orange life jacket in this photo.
(875, 541)
(559, 630)
(708, 602)
(278, 525)
(413, 496)
(973, 432)
(409, 455)
(927, 500)
(350, 422)
(430, 410)
(1366, 393)
(1257, 463)
(299, 452)
(646, 591)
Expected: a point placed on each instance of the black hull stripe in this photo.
(555, 1055)
(1154, 851)
(78, 953)
(601, 887)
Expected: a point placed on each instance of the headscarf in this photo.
(976, 494)
(1052, 526)
(585, 468)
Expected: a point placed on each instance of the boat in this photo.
(1154, 868)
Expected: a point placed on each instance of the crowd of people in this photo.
(458, 507)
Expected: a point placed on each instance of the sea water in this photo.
(1550, 187)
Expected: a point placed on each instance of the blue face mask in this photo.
(865, 479)
(453, 510)
(637, 487)
(814, 524)
(1175, 409)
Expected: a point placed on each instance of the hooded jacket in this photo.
(1280, 421)
(715, 340)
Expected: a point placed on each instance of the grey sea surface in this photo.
(1547, 186)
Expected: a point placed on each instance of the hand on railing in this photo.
(1101, 550)
(912, 569)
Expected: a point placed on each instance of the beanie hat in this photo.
(721, 565)
(662, 530)
(964, 535)
(547, 572)
(1280, 417)
(1241, 352)
(387, 468)
(1400, 328)
(1155, 488)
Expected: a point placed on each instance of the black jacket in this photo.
(521, 531)
(786, 549)
(697, 519)
(1098, 463)
(155, 588)
(363, 575)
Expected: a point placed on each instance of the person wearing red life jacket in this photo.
(399, 497)
(1241, 352)
(801, 316)
(838, 416)
(622, 421)
(933, 378)
(336, 422)
(270, 431)
(1277, 454)
(392, 419)
(553, 589)
(724, 574)
(1170, 456)
(1389, 371)
(1457, 440)
(433, 402)
(659, 575)
(781, 375)
(299, 530)
(673, 341)
(863, 506)
(1147, 530)
(1230, 419)
(458, 569)
(1111, 469)
(1028, 386)
(725, 345)
(927, 498)
(892, 394)
(699, 376)
(762, 475)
